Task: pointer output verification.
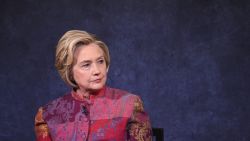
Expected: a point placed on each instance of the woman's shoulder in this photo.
(116, 93)
(58, 101)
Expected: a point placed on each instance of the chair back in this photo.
(158, 134)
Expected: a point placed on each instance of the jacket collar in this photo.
(79, 97)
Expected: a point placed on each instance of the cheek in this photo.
(105, 72)
(80, 76)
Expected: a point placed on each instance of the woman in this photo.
(91, 111)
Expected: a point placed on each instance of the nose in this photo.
(96, 69)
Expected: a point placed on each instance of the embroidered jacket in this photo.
(112, 115)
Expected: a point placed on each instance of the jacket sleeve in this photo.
(41, 127)
(139, 127)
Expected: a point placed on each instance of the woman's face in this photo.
(90, 69)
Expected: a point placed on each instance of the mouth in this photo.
(97, 80)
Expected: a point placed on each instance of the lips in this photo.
(97, 80)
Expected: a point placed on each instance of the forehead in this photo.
(88, 52)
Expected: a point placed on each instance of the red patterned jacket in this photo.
(112, 115)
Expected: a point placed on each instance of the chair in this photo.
(158, 134)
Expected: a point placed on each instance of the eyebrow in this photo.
(89, 61)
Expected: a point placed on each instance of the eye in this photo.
(85, 65)
(101, 61)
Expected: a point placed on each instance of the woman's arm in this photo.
(139, 127)
(41, 127)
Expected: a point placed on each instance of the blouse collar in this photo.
(79, 97)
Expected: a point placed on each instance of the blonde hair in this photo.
(65, 52)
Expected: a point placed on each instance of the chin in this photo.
(97, 87)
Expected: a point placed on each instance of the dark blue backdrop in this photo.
(188, 60)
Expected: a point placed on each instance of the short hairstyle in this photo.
(65, 52)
